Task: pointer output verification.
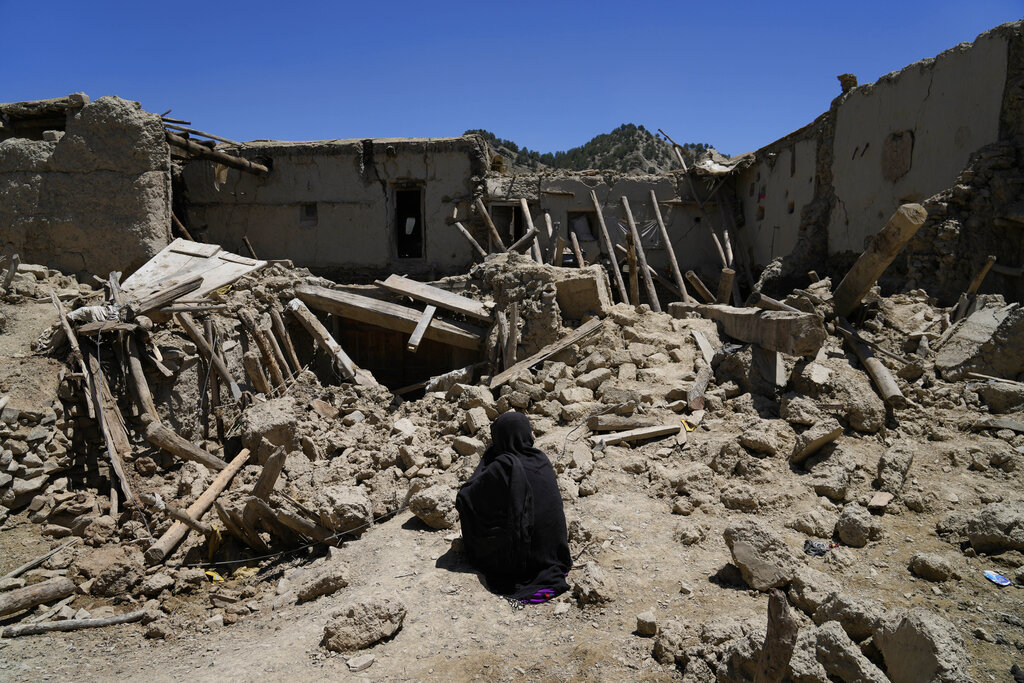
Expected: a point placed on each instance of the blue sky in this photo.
(549, 75)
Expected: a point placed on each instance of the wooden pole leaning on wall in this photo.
(652, 293)
(677, 275)
(173, 536)
(530, 228)
(556, 253)
(634, 278)
(699, 287)
(667, 284)
(204, 152)
(576, 251)
(609, 249)
(182, 229)
(469, 238)
(482, 210)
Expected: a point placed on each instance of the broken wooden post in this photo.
(300, 525)
(270, 361)
(880, 375)
(177, 513)
(779, 640)
(76, 352)
(16, 630)
(508, 352)
(254, 369)
(667, 284)
(695, 392)
(528, 218)
(115, 434)
(482, 210)
(523, 242)
(204, 152)
(163, 437)
(609, 249)
(967, 297)
(436, 296)
(181, 228)
(576, 251)
(469, 238)
(286, 340)
(23, 598)
(639, 434)
(343, 364)
(634, 279)
(549, 229)
(577, 335)
(652, 294)
(413, 345)
(239, 528)
(189, 325)
(556, 253)
(813, 275)
(143, 396)
(676, 273)
(883, 248)
(725, 285)
(173, 536)
(248, 245)
(268, 477)
(699, 287)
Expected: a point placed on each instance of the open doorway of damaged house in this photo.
(508, 219)
(409, 222)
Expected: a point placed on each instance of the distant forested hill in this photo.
(627, 149)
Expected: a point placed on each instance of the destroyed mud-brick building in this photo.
(220, 358)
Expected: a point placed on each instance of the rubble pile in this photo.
(249, 449)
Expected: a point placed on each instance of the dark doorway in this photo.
(409, 222)
(508, 219)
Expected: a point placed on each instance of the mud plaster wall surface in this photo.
(691, 241)
(907, 136)
(95, 201)
(353, 193)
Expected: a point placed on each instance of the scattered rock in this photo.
(996, 527)
(893, 467)
(922, 646)
(435, 506)
(763, 558)
(856, 527)
(330, 580)
(842, 659)
(647, 624)
(809, 442)
(361, 624)
(361, 662)
(592, 587)
(931, 567)
(343, 508)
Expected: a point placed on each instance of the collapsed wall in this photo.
(94, 195)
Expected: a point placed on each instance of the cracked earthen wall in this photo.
(94, 201)
(352, 184)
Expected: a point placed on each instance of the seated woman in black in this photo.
(513, 525)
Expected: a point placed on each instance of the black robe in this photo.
(513, 524)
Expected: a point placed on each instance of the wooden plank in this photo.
(639, 434)
(269, 359)
(482, 210)
(417, 335)
(676, 273)
(609, 249)
(652, 294)
(436, 296)
(387, 315)
(577, 335)
(704, 345)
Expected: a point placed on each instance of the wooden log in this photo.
(813, 275)
(725, 285)
(215, 155)
(286, 340)
(256, 511)
(501, 342)
(695, 392)
(115, 434)
(275, 348)
(770, 304)
(884, 247)
(197, 337)
(269, 475)
(416, 337)
(305, 527)
(673, 263)
(254, 369)
(493, 231)
(795, 334)
(523, 242)
(342, 363)
(576, 251)
(968, 297)
(387, 315)
(880, 375)
(238, 528)
(177, 513)
(182, 229)
(641, 434)
(173, 536)
(652, 294)
(577, 335)
(528, 218)
(667, 284)
(269, 360)
(700, 288)
(634, 279)
(469, 238)
(248, 245)
(193, 131)
(163, 437)
(779, 640)
(556, 253)
(706, 351)
(609, 249)
(76, 351)
(32, 564)
(70, 624)
(24, 598)
(436, 296)
(549, 232)
(140, 387)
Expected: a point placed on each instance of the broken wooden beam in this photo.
(165, 438)
(387, 315)
(577, 335)
(76, 351)
(770, 304)
(609, 422)
(556, 253)
(695, 392)
(140, 387)
(535, 242)
(606, 242)
(113, 430)
(880, 375)
(795, 334)
(673, 263)
(883, 248)
(725, 285)
(173, 536)
(640, 434)
(204, 152)
(700, 287)
(436, 296)
(667, 284)
(493, 231)
(24, 598)
(16, 630)
(634, 279)
(968, 297)
(32, 564)
(263, 344)
(165, 296)
(576, 251)
(413, 345)
(524, 242)
(343, 365)
(469, 238)
(197, 337)
(286, 339)
(253, 365)
(652, 294)
(177, 513)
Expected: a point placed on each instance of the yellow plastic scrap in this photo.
(687, 426)
(245, 572)
(214, 576)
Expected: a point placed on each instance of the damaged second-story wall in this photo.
(85, 187)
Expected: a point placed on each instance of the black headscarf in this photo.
(513, 524)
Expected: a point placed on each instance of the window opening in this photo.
(582, 224)
(409, 222)
(307, 215)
